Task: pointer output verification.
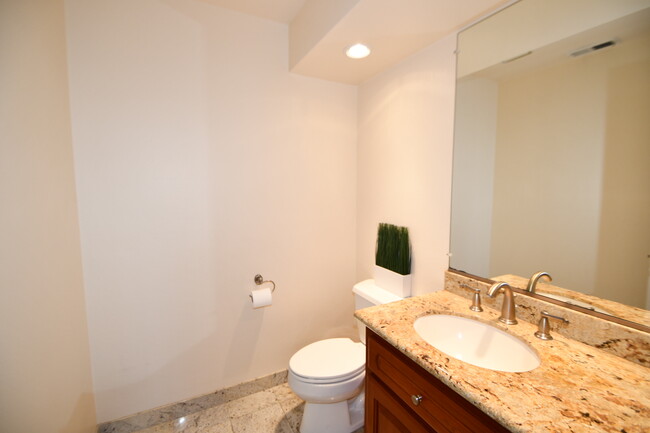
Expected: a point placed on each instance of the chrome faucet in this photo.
(508, 307)
(532, 283)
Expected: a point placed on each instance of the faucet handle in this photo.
(544, 328)
(476, 300)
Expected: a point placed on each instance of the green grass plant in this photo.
(393, 250)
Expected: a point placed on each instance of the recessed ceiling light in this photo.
(357, 51)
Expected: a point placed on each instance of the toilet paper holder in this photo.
(259, 280)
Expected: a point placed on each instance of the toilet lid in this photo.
(332, 359)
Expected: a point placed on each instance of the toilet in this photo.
(329, 374)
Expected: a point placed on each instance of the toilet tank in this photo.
(366, 294)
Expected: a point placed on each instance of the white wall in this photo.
(549, 178)
(45, 378)
(201, 161)
(583, 183)
(474, 147)
(405, 140)
(624, 236)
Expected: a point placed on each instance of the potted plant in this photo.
(393, 260)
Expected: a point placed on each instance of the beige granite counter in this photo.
(577, 388)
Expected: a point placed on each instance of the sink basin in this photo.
(476, 343)
(573, 302)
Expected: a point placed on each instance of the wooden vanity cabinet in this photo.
(393, 384)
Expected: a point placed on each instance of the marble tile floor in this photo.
(274, 410)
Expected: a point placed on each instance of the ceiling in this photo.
(281, 11)
(629, 29)
(321, 30)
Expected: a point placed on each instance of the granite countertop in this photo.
(577, 388)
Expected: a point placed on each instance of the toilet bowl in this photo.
(329, 374)
(326, 374)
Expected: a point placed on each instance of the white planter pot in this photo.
(395, 283)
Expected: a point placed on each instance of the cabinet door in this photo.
(440, 407)
(387, 414)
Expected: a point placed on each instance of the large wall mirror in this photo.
(552, 148)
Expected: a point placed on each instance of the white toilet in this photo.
(329, 374)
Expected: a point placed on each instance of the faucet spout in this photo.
(508, 315)
(532, 283)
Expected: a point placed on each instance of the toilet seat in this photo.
(329, 361)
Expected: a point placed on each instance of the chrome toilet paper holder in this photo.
(259, 280)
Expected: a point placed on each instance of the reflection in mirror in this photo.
(552, 148)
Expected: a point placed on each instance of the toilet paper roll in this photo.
(261, 298)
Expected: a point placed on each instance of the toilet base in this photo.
(342, 417)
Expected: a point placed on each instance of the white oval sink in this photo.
(476, 343)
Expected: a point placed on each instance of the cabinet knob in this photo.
(416, 399)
